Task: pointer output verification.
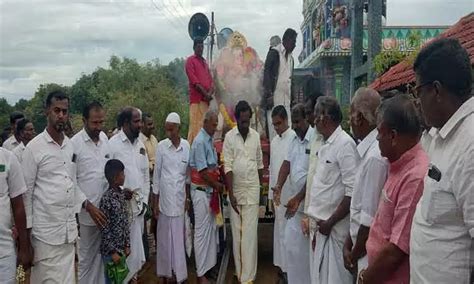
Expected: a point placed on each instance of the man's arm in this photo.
(17, 187)
(259, 156)
(384, 264)
(341, 212)
(156, 181)
(228, 168)
(294, 203)
(283, 174)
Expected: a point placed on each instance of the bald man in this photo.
(370, 177)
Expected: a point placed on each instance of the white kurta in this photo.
(296, 244)
(333, 180)
(53, 199)
(137, 178)
(278, 151)
(169, 183)
(244, 159)
(90, 160)
(282, 93)
(441, 242)
(12, 184)
(370, 179)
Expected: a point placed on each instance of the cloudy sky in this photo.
(45, 41)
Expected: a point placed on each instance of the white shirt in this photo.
(12, 184)
(282, 94)
(278, 151)
(18, 151)
(90, 161)
(170, 176)
(134, 157)
(370, 178)
(443, 226)
(298, 156)
(10, 143)
(313, 162)
(52, 197)
(244, 159)
(335, 174)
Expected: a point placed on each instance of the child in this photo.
(115, 244)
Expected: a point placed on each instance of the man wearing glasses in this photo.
(443, 225)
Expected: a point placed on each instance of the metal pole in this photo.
(212, 36)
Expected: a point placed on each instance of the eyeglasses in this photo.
(416, 89)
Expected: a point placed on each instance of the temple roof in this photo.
(403, 74)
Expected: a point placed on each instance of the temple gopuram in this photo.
(325, 61)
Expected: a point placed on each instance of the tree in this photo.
(5, 110)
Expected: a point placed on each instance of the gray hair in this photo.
(400, 113)
(366, 101)
(275, 40)
(329, 106)
(210, 114)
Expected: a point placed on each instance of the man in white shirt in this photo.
(243, 168)
(296, 167)
(331, 193)
(12, 188)
(278, 151)
(92, 152)
(49, 167)
(370, 178)
(205, 179)
(308, 224)
(441, 242)
(171, 201)
(126, 147)
(277, 74)
(26, 132)
(13, 141)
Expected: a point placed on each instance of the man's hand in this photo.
(220, 187)
(97, 216)
(116, 258)
(276, 195)
(127, 251)
(25, 256)
(305, 225)
(128, 193)
(325, 227)
(292, 207)
(14, 233)
(233, 203)
(347, 253)
(187, 204)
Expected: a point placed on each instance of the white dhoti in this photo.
(136, 259)
(244, 241)
(297, 254)
(8, 269)
(279, 250)
(52, 263)
(329, 256)
(91, 265)
(170, 250)
(313, 227)
(205, 233)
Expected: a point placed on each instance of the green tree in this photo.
(5, 110)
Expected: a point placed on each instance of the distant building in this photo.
(325, 60)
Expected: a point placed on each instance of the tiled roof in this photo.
(402, 73)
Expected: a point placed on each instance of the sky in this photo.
(43, 41)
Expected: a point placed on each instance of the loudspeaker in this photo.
(198, 26)
(223, 36)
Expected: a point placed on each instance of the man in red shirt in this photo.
(201, 89)
(399, 128)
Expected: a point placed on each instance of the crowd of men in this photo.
(392, 202)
